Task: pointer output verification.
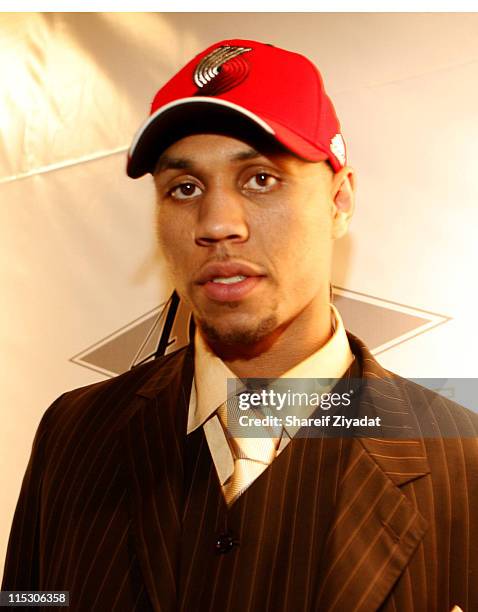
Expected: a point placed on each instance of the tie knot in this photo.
(249, 435)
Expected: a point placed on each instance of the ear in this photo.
(343, 195)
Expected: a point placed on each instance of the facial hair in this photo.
(239, 337)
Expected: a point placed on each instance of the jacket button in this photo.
(225, 543)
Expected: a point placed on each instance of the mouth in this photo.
(229, 281)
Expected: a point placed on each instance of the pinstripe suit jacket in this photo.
(99, 512)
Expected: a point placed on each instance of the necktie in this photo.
(252, 454)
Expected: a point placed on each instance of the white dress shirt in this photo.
(210, 390)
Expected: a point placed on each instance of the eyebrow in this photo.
(166, 162)
(173, 163)
(245, 155)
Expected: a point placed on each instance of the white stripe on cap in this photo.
(191, 100)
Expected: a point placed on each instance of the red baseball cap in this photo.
(277, 91)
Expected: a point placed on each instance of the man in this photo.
(142, 495)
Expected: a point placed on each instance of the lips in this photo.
(227, 270)
(229, 281)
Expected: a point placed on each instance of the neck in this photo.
(280, 351)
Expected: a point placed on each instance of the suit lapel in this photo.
(154, 439)
(376, 528)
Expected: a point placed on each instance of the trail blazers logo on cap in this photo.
(221, 70)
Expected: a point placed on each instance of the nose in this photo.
(221, 217)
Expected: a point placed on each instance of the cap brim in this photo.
(187, 116)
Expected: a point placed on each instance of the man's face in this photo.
(247, 235)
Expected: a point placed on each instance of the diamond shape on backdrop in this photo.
(381, 323)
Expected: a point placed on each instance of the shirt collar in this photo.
(209, 390)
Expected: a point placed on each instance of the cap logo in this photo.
(337, 146)
(221, 70)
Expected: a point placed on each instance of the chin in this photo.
(238, 335)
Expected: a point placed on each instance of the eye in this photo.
(262, 181)
(185, 191)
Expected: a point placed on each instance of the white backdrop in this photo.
(78, 254)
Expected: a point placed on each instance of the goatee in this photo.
(238, 337)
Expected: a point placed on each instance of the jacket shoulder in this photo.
(434, 410)
(111, 398)
(436, 415)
